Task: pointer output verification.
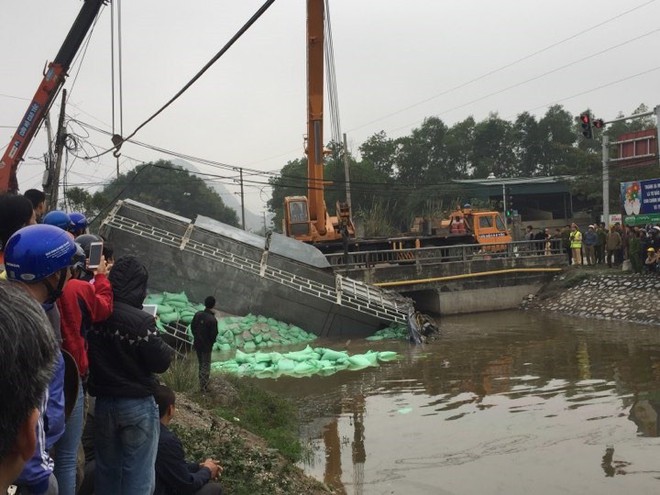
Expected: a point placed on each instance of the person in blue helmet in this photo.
(79, 223)
(39, 258)
(59, 219)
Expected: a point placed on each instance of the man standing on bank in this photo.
(204, 328)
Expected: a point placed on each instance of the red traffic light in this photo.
(599, 124)
(585, 120)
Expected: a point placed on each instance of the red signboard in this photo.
(637, 147)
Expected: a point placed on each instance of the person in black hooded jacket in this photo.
(124, 353)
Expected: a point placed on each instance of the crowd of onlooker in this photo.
(597, 245)
(72, 331)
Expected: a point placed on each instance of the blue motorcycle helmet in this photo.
(58, 219)
(86, 240)
(79, 222)
(36, 252)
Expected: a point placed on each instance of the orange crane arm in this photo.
(315, 185)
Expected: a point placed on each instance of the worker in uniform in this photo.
(576, 244)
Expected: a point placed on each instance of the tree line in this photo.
(396, 179)
(160, 184)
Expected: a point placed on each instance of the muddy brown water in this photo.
(509, 402)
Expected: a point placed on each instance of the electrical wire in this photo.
(199, 74)
(506, 66)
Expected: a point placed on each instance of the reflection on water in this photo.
(503, 403)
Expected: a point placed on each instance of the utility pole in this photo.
(54, 182)
(606, 181)
(242, 198)
(48, 156)
(606, 157)
(347, 176)
(504, 199)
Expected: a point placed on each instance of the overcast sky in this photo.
(396, 62)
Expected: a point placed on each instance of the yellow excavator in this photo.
(306, 218)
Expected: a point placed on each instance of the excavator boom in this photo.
(46, 92)
(306, 217)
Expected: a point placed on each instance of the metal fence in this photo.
(445, 254)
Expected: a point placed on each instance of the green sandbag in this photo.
(386, 356)
(247, 336)
(249, 346)
(358, 362)
(187, 319)
(153, 299)
(305, 354)
(372, 357)
(286, 365)
(331, 355)
(164, 308)
(240, 357)
(175, 296)
(375, 337)
(169, 317)
(304, 368)
(262, 357)
(225, 347)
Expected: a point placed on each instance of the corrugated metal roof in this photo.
(519, 185)
(497, 181)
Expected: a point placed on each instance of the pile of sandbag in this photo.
(250, 332)
(256, 332)
(309, 361)
(174, 307)
(398, 332)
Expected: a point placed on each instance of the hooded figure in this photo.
(124, 353)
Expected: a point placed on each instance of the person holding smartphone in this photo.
(86, 299)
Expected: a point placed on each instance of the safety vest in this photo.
(576, 240)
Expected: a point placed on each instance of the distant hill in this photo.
(253, 221)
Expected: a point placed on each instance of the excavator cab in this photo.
(296, 217)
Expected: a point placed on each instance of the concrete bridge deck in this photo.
(458, 279)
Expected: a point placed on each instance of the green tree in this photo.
(380, 151)
(558, 138)
(528, 145)
(493, 148)
(168, 187)
(459, 145)
(292, 181)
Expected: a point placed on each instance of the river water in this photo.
(510, 402)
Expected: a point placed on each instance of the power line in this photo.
(552, 71)
(199, 74)
(506, 66)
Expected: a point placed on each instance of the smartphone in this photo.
(95, 253)
(152, 309)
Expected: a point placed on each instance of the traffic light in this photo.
(585, 122)
(598, 123)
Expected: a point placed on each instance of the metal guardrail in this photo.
(459, 253)
(384, 304)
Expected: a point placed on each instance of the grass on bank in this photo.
(266, 415)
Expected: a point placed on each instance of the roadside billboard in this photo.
(640, 200)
